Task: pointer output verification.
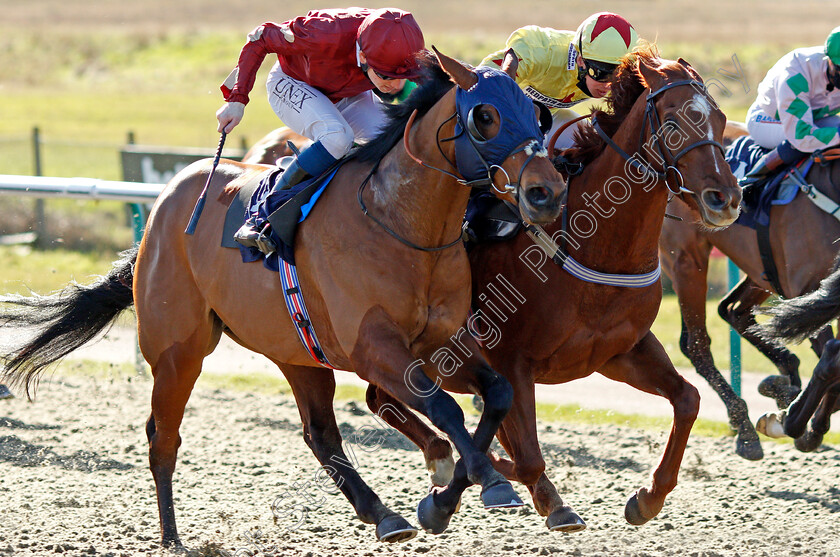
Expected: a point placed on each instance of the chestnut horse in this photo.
(544, 325)
(803, 241)
(385, 287)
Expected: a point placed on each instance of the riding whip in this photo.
(199, 204)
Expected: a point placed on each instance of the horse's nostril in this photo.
(714, 199)
(538, 196)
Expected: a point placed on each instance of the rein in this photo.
(387, 229)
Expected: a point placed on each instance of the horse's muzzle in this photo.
(540, 203)
(720, 208)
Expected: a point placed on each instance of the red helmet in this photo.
(391, 39)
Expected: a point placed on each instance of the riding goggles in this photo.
(599, 71)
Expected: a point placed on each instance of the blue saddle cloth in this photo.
(301, 197)
(759, 197)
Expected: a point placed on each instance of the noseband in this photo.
(654, 126)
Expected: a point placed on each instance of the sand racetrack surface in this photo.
(74, 480)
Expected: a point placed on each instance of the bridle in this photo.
(654, 126)
(468, 132)
(532, 148)
(558, 253)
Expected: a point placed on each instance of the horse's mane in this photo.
(625, 86)
(434, 84)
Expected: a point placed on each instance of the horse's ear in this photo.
(651, 76)
(464, 77)
(510, 63)
(691, 71)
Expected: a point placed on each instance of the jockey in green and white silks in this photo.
(796, 111)
(560, 69)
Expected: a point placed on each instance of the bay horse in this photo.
(385, 287)
(544, 325)
(793, 321)
(275, 146)
(803, 240)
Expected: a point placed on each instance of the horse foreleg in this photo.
(820, 423)
(314, 390)
(437, 451)
(736, 308)
(518, 436)
(820, 339)
(648, 368)
(382, 357)
(696, 344)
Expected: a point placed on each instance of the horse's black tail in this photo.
(63, 321)
(800, 318)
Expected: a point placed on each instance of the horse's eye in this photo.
(485, 117)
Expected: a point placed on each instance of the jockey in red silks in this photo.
(328, 63)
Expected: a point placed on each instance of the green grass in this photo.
(667, 330)
(23, 269)
(86, 92)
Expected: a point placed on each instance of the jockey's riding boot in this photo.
(765, 166)
(312, 161)
(784, 154)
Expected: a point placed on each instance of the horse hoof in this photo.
(748, 445)
(173, 545)
(478, 403)
(432, 518)
(633, 511)
(778, 388)
(500, 496)
(394, 529)
(771, 425)
(808, 442)
(566, 520)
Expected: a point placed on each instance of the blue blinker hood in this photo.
(475, 158)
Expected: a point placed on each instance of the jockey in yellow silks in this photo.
(560, 69)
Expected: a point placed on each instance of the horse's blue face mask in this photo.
(477, 157)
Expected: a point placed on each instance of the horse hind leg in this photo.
(437, 451)
(175, 371)
(314, 389)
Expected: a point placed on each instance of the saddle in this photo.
(779, 188)
(284, 209)
(758, 197)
